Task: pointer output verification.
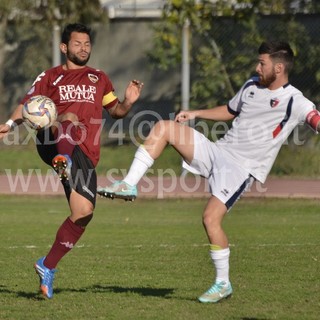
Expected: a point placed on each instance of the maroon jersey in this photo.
(83, 92)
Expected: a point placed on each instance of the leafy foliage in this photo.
(224, 37)
(28, 35)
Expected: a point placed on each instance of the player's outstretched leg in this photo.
(46, 276)
(62, 166)
(120, 190)
(164, 132)
(218, 291)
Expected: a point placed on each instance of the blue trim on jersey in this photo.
(235, 113)
(285, 119)
(252, 82)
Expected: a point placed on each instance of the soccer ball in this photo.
(39, 112)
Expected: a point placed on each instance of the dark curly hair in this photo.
(74, 27)
(279, 52)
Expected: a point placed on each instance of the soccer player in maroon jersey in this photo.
(72, 146)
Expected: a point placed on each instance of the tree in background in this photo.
(26, 28)
(225, 36)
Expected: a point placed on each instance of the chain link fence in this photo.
(235, 44)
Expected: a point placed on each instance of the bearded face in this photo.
(267, 79)
(78, 49)
(266, 70)
(79, 59)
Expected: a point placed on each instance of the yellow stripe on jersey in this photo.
(108, 98)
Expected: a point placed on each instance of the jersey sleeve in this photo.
(235, 104)
(109, 99)
(307, 112)
(38, 87)
(305, 107)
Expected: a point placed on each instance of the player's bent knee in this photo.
(162, 128)
(159, 126)
(209, 221)
(84, 221)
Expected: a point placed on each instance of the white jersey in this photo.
(264, 120)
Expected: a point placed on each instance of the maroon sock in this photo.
(67, 236)
(65, 135)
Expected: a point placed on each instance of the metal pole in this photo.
(185, 68)
(56, 55)
(185, 72)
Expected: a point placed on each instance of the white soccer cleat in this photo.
(120, 190)
(218, 291)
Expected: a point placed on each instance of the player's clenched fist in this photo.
(184, 116)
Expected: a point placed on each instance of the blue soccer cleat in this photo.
(46, 278)
(62, 166)
(120, 190)
(218, 291)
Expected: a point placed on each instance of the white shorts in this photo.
(227, 180)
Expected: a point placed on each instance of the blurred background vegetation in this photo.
(224, 37)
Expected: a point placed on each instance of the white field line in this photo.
(163, 245)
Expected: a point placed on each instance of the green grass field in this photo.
(149, 260)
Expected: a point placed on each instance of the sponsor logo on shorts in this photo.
(225, 192)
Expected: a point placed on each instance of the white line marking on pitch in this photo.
(164, 245)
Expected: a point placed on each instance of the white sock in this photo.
(141, 163)
(220, 259)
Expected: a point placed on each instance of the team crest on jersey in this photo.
(93, 78)
(274, 102)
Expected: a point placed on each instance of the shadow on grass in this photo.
(26, 295)
(4, 290)
(30, 295)
(151, 292)
(245, 318)
(255, 318)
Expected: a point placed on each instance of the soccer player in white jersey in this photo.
(265, 111)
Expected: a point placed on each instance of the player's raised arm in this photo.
(220, 113)
(132, 94)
